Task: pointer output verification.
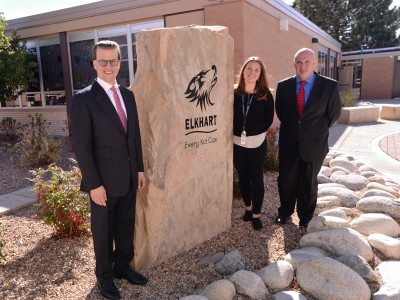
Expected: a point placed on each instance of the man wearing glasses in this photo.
(106, 139)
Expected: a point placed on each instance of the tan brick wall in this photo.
(378, 78)
(57, 116)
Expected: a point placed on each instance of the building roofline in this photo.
(372, 51)
(112, 6)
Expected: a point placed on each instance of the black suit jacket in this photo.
(310, 131)
(106, 154)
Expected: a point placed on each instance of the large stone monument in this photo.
(184, 93)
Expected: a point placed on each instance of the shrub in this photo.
(60, 202)
(2, 253)
(10, 127)
(347, 98)
(35, 146)
(271, 158)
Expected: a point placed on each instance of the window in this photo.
(322, 62)
(81, 55)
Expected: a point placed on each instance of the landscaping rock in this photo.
(326, 171)
(347, 197)
(326, 222)
(390, 247)
(375, 185)
(342, 162)
(288, 295)
(376, 192)
(370, 223)
(278, 275)
(376, 178)
(339, 241)
(249, 284)
(298, 256)
(360, 265)
(389, 271)
(328, 201)
(323, 179)
(333, 184)
(334, 212)
(328, 279)
(353, 182)
(366, 168)
(211, 260)
(232, 262)
(337, 168)
(387, 292)
(336, 175)
(220, 290)
(379, 204)
(193, 297)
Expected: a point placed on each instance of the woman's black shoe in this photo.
(248, 215)
(256, 223)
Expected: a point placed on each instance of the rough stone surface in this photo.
(353, 182)
(387, 292)
(211, 260)
(328, 201)
(323, 179)
(278, 275)
(328, 279)
(194, 297)
(220, 290)
(249, 284)
(370, 223)
(389, 246)
(365, 168)
(334, 212)
(288, 295)
(326, 171)
(375, 185)
(232, 262)
(389, 271)
(337, 168)
(379, 204)
(360, 265)
(341, 162)
(298, 256)
(333, 184)
(319, 223)
(200, 199)
(376, 178)
(339, 241)
(348, 198)
(368, 174)
(327, 159)
(376, 192)
(335, 175)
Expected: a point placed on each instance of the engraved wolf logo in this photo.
(200, 87)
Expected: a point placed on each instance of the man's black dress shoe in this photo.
(108, 289)
(132, 276)
(280, 220)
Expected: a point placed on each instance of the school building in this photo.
(61, 41)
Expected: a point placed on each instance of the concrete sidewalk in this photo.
(363, 142)
(16, 199)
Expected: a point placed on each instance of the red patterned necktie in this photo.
(120, 110)
(300, 99)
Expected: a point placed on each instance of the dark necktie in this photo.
(120, 110)
(300, 99)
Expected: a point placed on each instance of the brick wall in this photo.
(57, 116)
(378, 78)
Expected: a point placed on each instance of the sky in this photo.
(13, 9)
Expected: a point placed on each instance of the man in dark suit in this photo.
(307, 105)
(106, 139)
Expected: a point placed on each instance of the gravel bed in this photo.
(39, 266)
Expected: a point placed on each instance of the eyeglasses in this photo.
(104, 62)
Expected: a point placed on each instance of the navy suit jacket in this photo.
(106, 154)
(310, 132)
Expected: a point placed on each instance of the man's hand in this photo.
(141, 180)
(99, 196)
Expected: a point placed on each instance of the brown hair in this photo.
(262, 85)
(105, 45)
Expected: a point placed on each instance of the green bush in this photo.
(60, 202)
(10, 127)
(271, 158)
(347, 98)
(2, 253)
(35, 146)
